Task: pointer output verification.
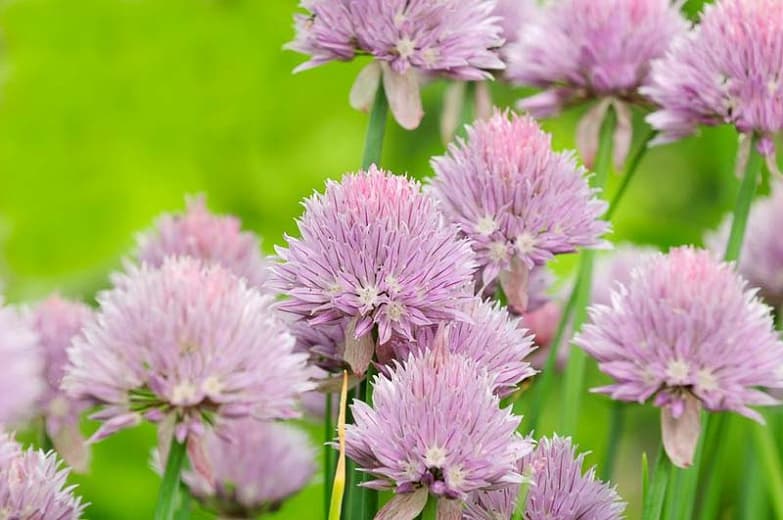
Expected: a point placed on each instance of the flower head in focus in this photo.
(601, 50)
(207, 237)
(726, 70)
(33, 486)
(686, 331)
(761, 261)
(189, 343)
(452, 38)
(518, 202)
(374, 253)
(57, 321)
(21, 371)
(436, 428)
(253, 468)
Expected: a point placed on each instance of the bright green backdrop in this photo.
(113, 110)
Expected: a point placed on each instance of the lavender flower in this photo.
(517, 201)
(559, 490)
(616, 268)
(514, 14)
(281, 462)
(727, 70)
(57, 321)
(686, 330)
(374, 253)
(21, 370)
(32, 485)
(593, 49)
(761, 261)
(208, 237)
(456, 39)
(188, 343)
(435, 427)
(491, 338)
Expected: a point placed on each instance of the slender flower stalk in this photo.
(376, 129)
(630, 171)
(167, 494)
(573, 381)
(613, 440)
(338, 486)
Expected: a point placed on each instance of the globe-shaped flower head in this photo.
(21, 371)
(187, 342)
(374, 251)
(518, 202)
(436, 427)
(32, 485)
(210, 238)
(452, 38)
(254, 470)
(57, 321)
(592, 49)
(761, 261)
(686, 331)
(727, 70)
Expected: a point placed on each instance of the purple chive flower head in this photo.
(558, 490)
(57, 321)
(727, 70)
(210, 238)
(21, 371)
(374, 252)
(761, 261)
(33, 486)
(451, 38)
(592, 49)
(686, 331)
(514, 14)
(616, 267)
(186, 342)
(518, 202)
(491, 338)
(253, 469)
(436, 426)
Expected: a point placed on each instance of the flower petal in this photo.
(681, 435)
(623, 133)
(365, 86)
(402, 91)
(405, 506)
(589, 130)
(358, 351)
(514, 284)
(449, 509)
(453, 101)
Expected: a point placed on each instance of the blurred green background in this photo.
(113, 110)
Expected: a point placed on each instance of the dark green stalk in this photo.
(373, 142)
(630, 171)
(367, 498)
(430, 509)
(164, 510)
(573, 380)
(744, 199)
(655, 490)
(714, 433)
(615, 433)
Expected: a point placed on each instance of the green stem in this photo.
(468, 115)
(373, 142)
(430, 511)
(754, 501)
(183, 511)
(615, 432)
(573, 380)
(682, 498)
(767, 452)
(543, 386)
(350, 504)
(630, 171)
(329, 458)
(715, 434)
(367, 499)
(655, 491)
(744, 199)
(164, 510)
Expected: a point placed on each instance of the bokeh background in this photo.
(111, 111)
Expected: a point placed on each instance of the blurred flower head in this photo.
(726, 70)
(518, 202)
(33, 486)
(686, 330)
(582, 50)
(616, 267)
(491, 337)
(22, 369)
(514, 14)
(57, 321)
(186, 341)
(451, 38)
(761, 261)
(207, 237)
(252, 469)
(374, 252)
(436, 427)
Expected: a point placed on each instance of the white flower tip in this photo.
(681, 434)
(405, 506)
(364, 88)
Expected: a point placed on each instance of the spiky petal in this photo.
(187, 341)
(684, 328)
(252, 469)
(33, 486)
(518, 202)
